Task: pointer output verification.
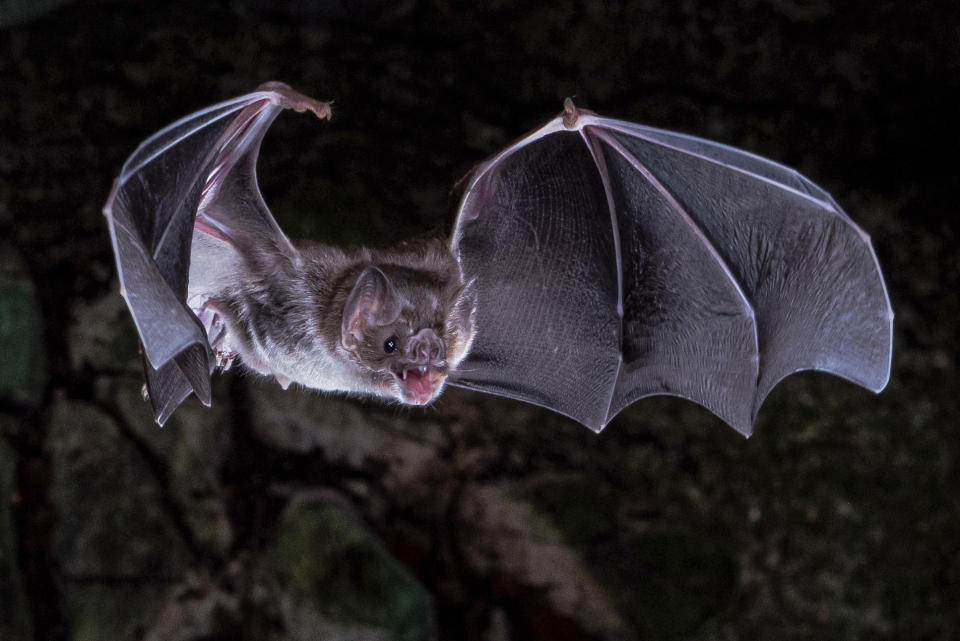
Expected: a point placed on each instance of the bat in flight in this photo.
(593, 262)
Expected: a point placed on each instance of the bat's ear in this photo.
(461, 324)
(373, 301)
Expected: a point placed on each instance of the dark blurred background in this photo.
(292, 515)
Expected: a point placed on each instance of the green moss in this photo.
(108, 611)
(664, 584)
(17, 322)
(118, 550)
(20, 348)
(577, 507)
(332, 565)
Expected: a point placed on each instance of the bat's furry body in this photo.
(283, 314)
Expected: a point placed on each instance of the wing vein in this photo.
(126, 172)
(668, 196)
(618, 256)
(638, 133)
(216, 152)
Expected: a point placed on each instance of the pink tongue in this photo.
(418, 382)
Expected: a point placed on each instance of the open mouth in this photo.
(419, 384)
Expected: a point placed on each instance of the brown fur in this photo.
(283, 312)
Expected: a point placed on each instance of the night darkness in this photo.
(292, 515)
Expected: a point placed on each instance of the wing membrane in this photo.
(735, 272)
(208, 157)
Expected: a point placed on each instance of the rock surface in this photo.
(292, 515)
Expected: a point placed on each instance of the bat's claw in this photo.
(216, 328)
(289, 98)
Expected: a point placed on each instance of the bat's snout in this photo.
(425, 348)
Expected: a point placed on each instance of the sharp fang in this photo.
(404, 373)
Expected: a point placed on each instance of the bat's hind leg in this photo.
(218, 333)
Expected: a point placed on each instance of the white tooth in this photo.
(404, 373)
(423, 369)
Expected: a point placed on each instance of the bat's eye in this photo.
(390, 345)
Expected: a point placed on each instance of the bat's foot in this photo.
(212, 321)
(224, 359)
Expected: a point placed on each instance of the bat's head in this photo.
(409, 332)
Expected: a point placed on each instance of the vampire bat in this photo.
(592, 263)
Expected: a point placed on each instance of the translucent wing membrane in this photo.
(616, 261)
(613, 261)
(206, 158)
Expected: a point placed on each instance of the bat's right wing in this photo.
(206, 161)
(616, 261)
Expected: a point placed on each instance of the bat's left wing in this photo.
(616, 261)
(206, 161)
